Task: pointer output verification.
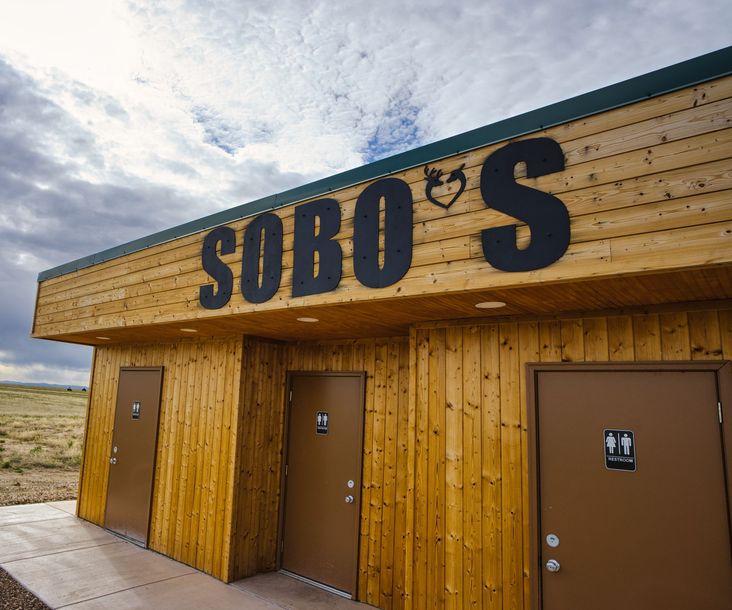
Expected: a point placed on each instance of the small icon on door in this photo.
(321, 422)
(619, 450)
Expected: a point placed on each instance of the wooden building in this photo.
(347, 380)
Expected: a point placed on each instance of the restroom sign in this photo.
(619, 449)
(321, 422)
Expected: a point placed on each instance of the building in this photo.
(490, 372)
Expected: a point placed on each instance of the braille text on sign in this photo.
(321, 422)
(619, 449)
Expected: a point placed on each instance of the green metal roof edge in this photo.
(678, 76)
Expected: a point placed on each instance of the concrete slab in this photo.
(189, 592)
(36, 538)
(25, 513)
(73, 576)
(70, 563)
(68, 506)
(293, 594)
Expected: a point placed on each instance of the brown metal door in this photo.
(633, 502)
(132, 456)
(323, 479)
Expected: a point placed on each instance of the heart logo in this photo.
(433, 177)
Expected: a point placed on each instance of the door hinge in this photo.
(719, 411)
(285, 469)
(282, 545)
(290, 396)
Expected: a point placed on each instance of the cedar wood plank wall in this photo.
(647, 187)
(445, 427)
(444, 519)
(384, 491)
(192, 490)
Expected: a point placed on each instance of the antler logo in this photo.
(433, 177)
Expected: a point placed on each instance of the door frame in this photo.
(289, 377)
(161, 369)
(722, 370)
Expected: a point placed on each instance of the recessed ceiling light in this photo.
(104, 338)
(490, 304)
(306, 319)
(188, 330)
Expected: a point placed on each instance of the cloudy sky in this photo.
(118, 119)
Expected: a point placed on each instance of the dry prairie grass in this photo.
(41, 432)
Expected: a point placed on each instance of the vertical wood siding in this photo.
(470, 543)
(444, 514)
(261, 430)
(194, 470)
(384, 490)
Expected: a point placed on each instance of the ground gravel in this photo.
(15, 597)
(39, 485)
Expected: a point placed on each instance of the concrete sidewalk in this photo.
(69, 563)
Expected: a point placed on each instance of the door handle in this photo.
(552, 565)
(113, 460)
(349, 499)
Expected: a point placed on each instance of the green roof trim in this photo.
(685, 74)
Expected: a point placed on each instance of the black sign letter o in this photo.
(267, 227)
(397, 233)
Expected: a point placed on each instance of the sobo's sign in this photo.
(545, 215)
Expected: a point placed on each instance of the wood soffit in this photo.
(695, 289)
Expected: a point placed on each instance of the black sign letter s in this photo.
(217, 268)
(546, 215)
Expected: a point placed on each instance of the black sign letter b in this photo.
(308, 241)
(546, 215)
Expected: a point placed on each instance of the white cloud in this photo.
(38, 372)
(120, 118)
(198, 95)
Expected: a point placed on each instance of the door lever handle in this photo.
(113, 460)
(349, 499)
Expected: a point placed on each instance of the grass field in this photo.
(41, 432)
